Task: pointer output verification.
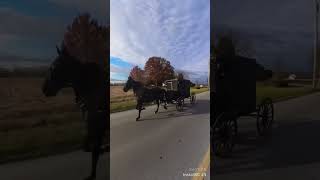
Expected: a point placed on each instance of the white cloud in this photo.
(118, 69)
(28, 35)
(177, 30)
(99, 8)
(280, 30)
(14, 22)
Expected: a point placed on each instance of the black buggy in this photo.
(234, 95)
(177, 91)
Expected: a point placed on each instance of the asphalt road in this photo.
(160, 146)
(71, 166)
(291, 152)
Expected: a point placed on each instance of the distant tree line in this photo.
(23, 72)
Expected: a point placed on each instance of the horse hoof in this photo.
(156, 112)
(165, 107)
(137, 119)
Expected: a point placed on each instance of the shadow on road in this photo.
(290, 145)
(200, 107)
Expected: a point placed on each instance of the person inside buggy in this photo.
(232, 71)
(181, 86)
(224, 53)
(178, 89)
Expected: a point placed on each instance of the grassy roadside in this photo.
(197, 91)
(122, 106)
(281, 93)
(40, 135)
(40, 141)
(119, 104)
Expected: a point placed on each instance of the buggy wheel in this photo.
(179, 104)
(265, 117)
(223, 135)
(192, 99)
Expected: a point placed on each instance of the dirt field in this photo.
(22, 100)
(32, 124)
(117, 95)
(117, 91)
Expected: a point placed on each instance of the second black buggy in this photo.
(234, 95)
(177, 91)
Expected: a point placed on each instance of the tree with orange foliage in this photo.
(137, 74)
(88, 41)
(157, 70)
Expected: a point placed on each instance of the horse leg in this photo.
(138, 115)
(139, 107)
(165, 105)
(165, 100)
(158, 103)
(95, 157)
(87, 144)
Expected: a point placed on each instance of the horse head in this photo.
(129, 84)
(61, 73)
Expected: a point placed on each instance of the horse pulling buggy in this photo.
(177, 91)
(234, 95)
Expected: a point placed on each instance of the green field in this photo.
(281, 93)
(196, 91)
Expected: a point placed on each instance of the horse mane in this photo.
(136, 84)
(85, 65)
(103, 66)
(90, 78)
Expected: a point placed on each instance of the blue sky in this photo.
(119, 68)
(178, 30)
(31, 29)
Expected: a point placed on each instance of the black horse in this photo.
(145, 95)
(89, 82)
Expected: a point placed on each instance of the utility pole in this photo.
(315, 51)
